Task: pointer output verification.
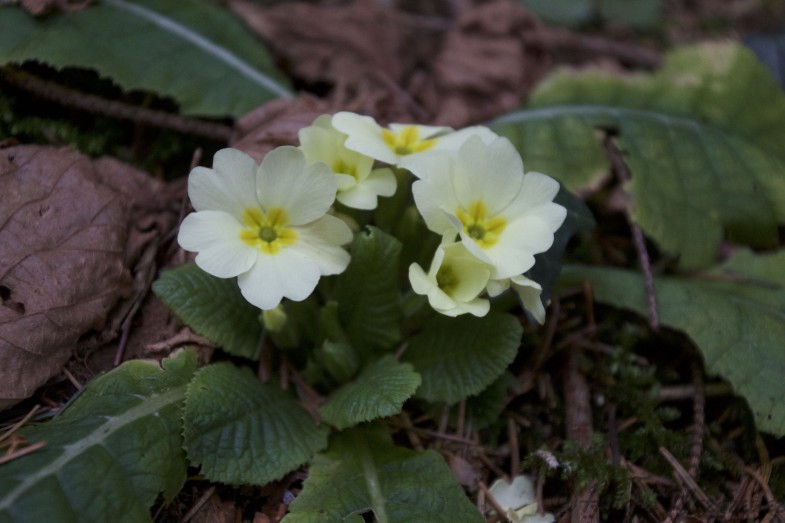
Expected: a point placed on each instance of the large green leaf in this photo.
(364, 472)
(378, 391)
(212, 307)
(367, 292)
(191, 50)
(243, 431)
(459, 357)
(702, 138)
(109, 453)
(735, 314)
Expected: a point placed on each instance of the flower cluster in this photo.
(273, 225)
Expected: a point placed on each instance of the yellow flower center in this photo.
(340, 166)
(480, 227)
(446, 279)
(406, 141)
(267, 231)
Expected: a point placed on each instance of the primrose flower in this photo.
(265, 224)
(518, 500)
(503, 216)
(359, 185)
(454, 282)
(403, 144)
(528, 291)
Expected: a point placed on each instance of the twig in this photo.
(72, 379)
(19, 453)
(490, 499)
(94, 104)
(515, 453)
(617, 160)
(579, 429)
(684, 477)
(684, 392)
(552, 39)
(19, 424)
(199, 504)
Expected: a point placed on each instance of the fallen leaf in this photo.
(484, 68)
(276, 123)
(75, 236)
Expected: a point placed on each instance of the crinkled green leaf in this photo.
(212, 307)
(110, 453)
(459, 357)
(702, 139)
(243, 431)
(191, 50)
(363, 472)
(379, 390)
(367, 292)
(735, 314)
(548, 264)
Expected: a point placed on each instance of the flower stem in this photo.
(371, 479)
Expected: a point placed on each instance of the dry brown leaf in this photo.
(276, 123)
(75, 240)
(484, 68)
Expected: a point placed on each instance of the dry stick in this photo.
(199, 504)
(615, 155)
(489, 497)
(579, 430)
(94, 104)
(19, 424)
(19, 453)
(552, 39)
(683, 476)
(696, 448)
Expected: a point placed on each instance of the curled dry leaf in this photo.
(276, 123)
(484, 68)
(72, 243)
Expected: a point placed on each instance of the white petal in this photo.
(305, 192)
(423, 131)
(344, 182)
(364, 195)
(453, 141)
(215, 235)
(509, 259)
(538, 190)
(321, 241)
(421, 283)
(434, 194)
(364, 136)
(496, 287)
(287, 274)
(529, 292)
(231, 189)
(530, 232)
(491, 173)
(477, 307)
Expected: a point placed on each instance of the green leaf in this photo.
(702, 139)
(398, 485)
(459, 357)
(548, 264)
(110, 452)
(191, 50)
(735, 314)
(243, 431)
(367, 292)
(213, 308)
(379, 390)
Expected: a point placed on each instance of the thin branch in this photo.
(95, 104)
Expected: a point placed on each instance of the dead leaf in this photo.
(74, 236)
(484, 68)
(276, 123)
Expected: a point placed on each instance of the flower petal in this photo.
(215, 235)
(364, 136)
(436, 193)
(229, 187)
(284, 180)
(321, 241)
(491, 173)
(287, 274)
(529, 292)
